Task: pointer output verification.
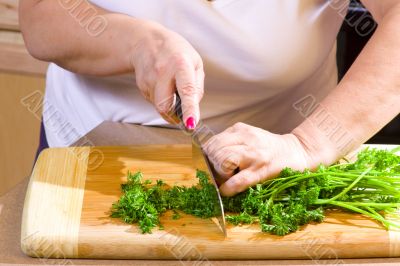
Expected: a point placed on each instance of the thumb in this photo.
(189, 84)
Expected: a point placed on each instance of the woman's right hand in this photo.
(165, 62)
(162, 60)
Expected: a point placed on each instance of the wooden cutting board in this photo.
(67, 207)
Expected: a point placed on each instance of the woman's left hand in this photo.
(257, 154)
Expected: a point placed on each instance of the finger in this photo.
(200, 81)
(241, 181)
(228, 160)
(211, 141)
(222, 140)
(164, 99)
(144, 88)
(190, 94)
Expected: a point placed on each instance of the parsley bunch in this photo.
(369, 186)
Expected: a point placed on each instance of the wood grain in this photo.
(9, 14)
(53, 203)
(341, 235)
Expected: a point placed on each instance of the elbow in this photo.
(34, 45)
(31, 28)
(35, 48)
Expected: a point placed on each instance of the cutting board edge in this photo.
(37, 239)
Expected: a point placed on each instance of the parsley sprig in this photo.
(369, 186)
(144, 203)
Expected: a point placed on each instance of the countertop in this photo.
(107, 134)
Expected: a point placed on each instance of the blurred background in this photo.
(21, 75)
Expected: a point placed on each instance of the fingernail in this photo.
(190, 123)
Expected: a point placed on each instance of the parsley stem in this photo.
(350, 186)
(361, 211)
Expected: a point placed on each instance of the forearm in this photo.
(62, 35)
(366, 99)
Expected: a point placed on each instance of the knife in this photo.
(200, 158)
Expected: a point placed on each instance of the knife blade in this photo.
(200, 158)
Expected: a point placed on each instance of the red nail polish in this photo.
(190, 123)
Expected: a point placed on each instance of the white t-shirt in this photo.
(260, 57)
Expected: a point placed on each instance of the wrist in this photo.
(130, 36)
(318, 147)
(146, 37)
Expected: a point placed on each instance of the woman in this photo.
(268, 64)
